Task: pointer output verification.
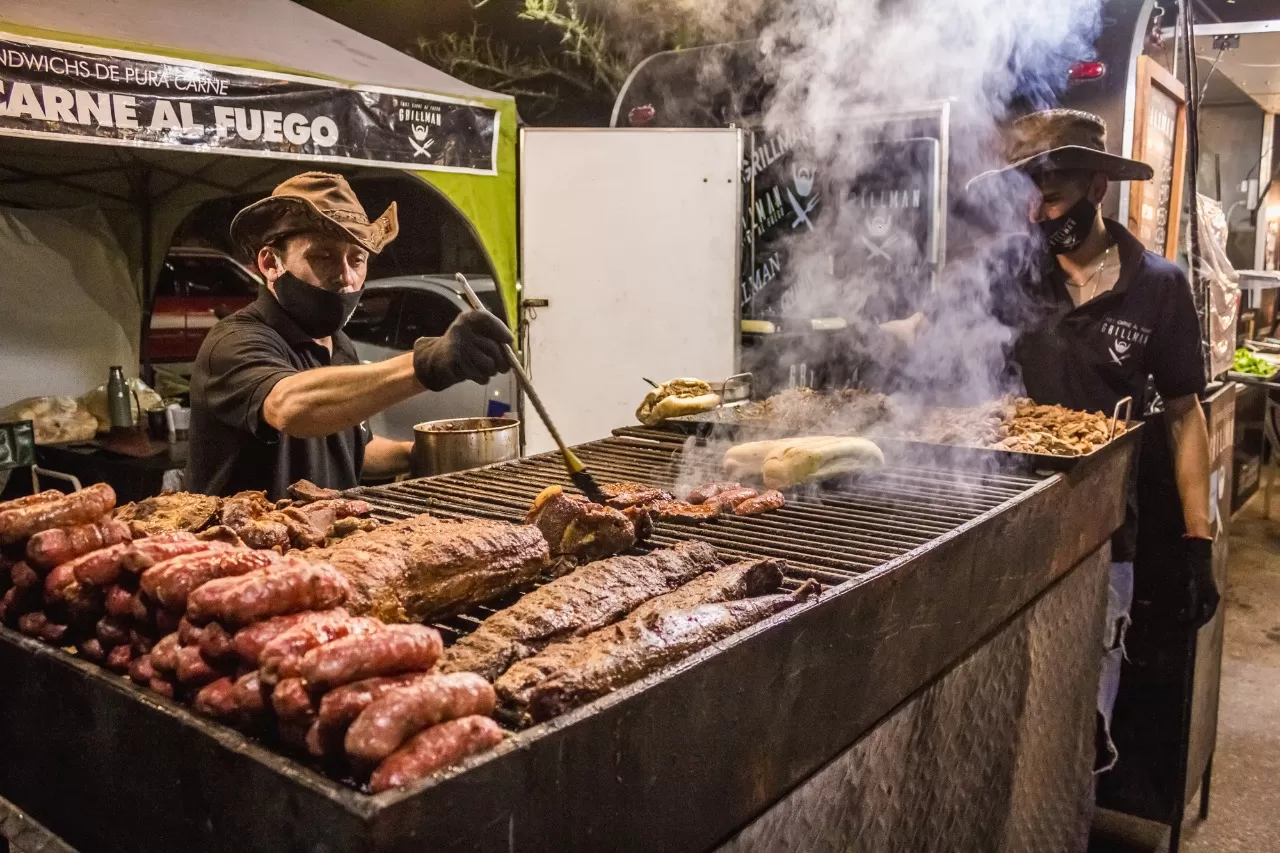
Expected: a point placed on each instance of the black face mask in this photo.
(318, 312)
(1066, 232)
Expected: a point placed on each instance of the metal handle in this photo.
(517, 368)
(745, 381)
(1127, 403)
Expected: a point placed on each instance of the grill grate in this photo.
(831, 534)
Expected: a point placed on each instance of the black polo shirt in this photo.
(1092, 356)
(232, 447)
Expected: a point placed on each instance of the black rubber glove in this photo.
(1201, 599)
(471, 348)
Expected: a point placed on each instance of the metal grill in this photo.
(831, 534)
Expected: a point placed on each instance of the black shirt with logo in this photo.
(1092, 356)
(232, 447)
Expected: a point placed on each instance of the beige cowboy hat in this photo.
(309, 202)
(1060, 140)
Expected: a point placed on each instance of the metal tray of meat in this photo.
(715, 424)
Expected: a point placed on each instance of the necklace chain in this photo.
(1094, 278)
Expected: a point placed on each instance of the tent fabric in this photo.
(70, 309)
(275, 35)
(270, 35)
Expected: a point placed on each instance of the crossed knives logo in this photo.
(1120, 351)
(803, 181)
(420, 139)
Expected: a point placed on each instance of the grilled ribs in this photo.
(741, 580)
(424, 567)
(576, 527)
(591, 597)
(620, 654)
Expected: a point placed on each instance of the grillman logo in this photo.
(1126, 337)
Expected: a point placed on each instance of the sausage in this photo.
(340, 706)
(394, 650)
(33, 624)
(147, 552)
(282, 657)
(434, 749)
(390, 721)
(60, 584)
(292, 703)
(54, 632)
(119, 602)
(193, 670)
(51, 548)
(321, 741)
(730, 498)
(80, 508)
(249, 642)
(119, 658)
(171, 582)
(188, 634)
(140, 671)
(290, 587)
(248, 696)
(23, 576)
(215, 642)
(140, 643)
(164, 657)
(82, 603)
(99, 568)
(31, 500)
(111, 632)
(766, 502)
(216, 699)
(8, 603)
(164, 688)
(91, 650)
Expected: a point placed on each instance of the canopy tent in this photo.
(132, 105)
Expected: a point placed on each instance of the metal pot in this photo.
(441, 447)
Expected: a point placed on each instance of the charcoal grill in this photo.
(919, 566)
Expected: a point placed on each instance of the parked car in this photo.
(395, 312)
(195, 289)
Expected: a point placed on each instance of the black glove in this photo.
(471, 348)
(1201, 599)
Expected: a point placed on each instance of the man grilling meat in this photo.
(1101, 318)
(277, 393)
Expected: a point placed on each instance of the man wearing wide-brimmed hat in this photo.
(277, 393)
(1109, 316)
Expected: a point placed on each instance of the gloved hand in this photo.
(1200, 601)
(471, 348)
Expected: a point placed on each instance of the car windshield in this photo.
(204, 277)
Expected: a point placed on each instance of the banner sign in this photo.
(94, 95)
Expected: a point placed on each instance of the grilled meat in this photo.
(169, 512)
(424, 567)
(574, 526)
(620, 654)
(591, 597)
(762, 503)
(1019, 425)
(681, 512)
(305, 491)
(727, 501)
(707, 491)
(627, 495)
(741, 580)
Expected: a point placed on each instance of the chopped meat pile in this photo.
(799, 410)
(1019, 425)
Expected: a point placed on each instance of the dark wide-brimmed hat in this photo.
(313, 201)
(1060, 140)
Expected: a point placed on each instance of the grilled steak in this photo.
(705, 492)
(305, 491)
(576, 527)
(591, 597)
(620, 654)
(168, 513)
(625, 495)
(683, 513)
(424, 567)
(741, 580)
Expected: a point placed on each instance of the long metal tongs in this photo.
(578, 472)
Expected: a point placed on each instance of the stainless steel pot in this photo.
(441, 447)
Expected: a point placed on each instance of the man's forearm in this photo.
(1189, 441)
(325, 400)
(385, 458)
